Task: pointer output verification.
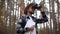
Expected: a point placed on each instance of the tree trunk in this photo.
(54, 19)
(22, 5)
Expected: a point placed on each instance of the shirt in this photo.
(30, 23)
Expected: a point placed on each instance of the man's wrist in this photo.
(26, 29)
(42, 12)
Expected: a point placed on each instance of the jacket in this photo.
(23, 19)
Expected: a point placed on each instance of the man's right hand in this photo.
(31, 28)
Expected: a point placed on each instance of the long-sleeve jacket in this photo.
(23, 19)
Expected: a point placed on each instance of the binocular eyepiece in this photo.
(36, 6)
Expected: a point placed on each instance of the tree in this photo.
(22, 5)
(54, 18)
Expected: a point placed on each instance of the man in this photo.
(27, 22)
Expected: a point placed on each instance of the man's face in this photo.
(31, 10)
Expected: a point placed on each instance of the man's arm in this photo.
(19, 26)
(43, 19)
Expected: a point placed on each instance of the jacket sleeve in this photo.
(19, 26)
(43, 19)
(22, 21)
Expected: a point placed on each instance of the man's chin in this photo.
(31, 13)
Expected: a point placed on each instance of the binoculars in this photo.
(36, 6)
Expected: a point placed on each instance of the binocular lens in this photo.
(36, 6)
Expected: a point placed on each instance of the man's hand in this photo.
(31, 28)
(42, 9)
